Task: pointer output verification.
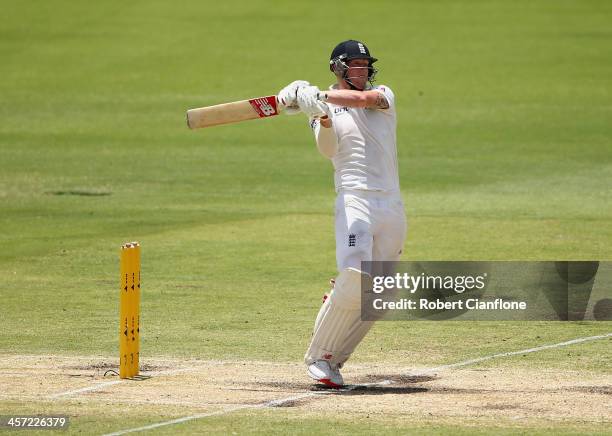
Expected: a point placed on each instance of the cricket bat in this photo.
(233, 112)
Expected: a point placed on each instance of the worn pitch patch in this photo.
(204, 387)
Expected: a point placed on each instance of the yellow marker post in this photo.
(129, 321)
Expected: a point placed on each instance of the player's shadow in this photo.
(381, 385)
(377, 384)
(370, 389)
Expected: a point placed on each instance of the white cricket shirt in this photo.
(367, 151)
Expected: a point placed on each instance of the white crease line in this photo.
(280, 402)
(509, 353)
(283, 401)
(273, 403)
(183, 419)
(87, 389)
(102, 385)
(166, 372)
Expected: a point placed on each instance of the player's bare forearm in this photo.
(360, 99)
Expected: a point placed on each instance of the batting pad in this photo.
(321, 313)
(339, 320)
(355, 335)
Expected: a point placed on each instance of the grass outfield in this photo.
(504, 134)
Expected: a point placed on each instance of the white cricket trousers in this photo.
(369, 226)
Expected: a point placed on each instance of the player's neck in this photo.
(342, 84)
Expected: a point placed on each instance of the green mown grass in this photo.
(503, 139)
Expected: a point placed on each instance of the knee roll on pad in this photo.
(347, 290)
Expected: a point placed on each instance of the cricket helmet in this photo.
(346, 51)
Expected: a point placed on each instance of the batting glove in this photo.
(309, 103)
(288, 96)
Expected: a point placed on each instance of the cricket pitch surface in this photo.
(198, 389)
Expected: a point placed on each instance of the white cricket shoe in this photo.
(323, 372)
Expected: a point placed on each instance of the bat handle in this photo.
(281, 106)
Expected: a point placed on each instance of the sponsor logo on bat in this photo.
(265, 106)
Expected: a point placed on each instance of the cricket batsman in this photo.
(354, 125)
